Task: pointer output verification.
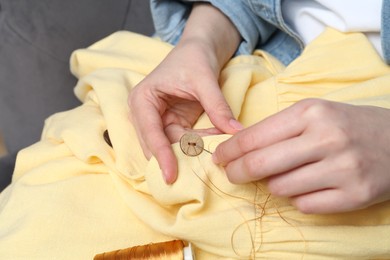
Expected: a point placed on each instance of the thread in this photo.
(170, 250)
(192, 145)
(191, 139)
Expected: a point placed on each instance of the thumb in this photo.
(218, 110)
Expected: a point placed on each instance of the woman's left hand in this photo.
(327, 157)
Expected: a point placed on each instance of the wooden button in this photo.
(191, 144)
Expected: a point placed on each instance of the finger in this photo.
(273, 160)
(207, 131)
(276, 128)
(218, 110)
(164, 155)
(323, 202)
(174, 132)
(306, 179)
(152, 134)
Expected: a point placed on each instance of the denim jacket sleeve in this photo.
(385, 30)
(170, 16)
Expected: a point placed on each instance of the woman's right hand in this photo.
(173, 96)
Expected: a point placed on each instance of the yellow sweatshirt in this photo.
(73, 196)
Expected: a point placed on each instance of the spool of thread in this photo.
(170, 250)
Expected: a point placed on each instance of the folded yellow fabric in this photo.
(73, 196)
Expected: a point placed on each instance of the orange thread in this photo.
(192, 145)
(170, 250)
(219, 192)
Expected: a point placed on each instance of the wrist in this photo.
(212, 31)
(201, 53)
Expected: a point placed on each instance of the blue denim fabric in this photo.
(260, 23)
(385, 30)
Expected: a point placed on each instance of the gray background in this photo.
(36, 40)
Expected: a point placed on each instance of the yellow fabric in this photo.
(73, 196)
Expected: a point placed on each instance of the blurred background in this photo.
(37, 38)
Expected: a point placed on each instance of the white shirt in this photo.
(309, 18)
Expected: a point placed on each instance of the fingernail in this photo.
(164, 177)
(236, 125)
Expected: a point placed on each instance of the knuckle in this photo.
(253, 166)
(360, 191)
(220, 104)
(316, 108)
(221, 152)
(336, 139)
(217, 108)
(232, 175)
(355, 163)
(304, 206)
(246, 142)
(361, 199)
(221, 107)
(276, 188)
(363, 194)
(308, 102)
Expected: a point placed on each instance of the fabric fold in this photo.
(73, 190)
